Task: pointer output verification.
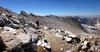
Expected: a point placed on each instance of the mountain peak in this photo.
(24, 13)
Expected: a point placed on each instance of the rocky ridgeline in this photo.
(18, 34)
(12, 33)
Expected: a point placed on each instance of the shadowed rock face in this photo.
(2, 45)
(2, 22)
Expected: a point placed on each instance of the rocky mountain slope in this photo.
(31, 33)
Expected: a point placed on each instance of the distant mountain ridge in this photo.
(67, 22)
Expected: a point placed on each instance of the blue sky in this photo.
(55, 7)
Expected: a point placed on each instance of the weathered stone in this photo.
(25, 39)
(3, 14)
(9, 29)
(13, 38)
(85, 45)
(53, 30)
(15, 21)
(72, 35)
(58, 35)
(59, 31)
(44, 43)
(45, 27)
(10, 40)
(68, 39)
